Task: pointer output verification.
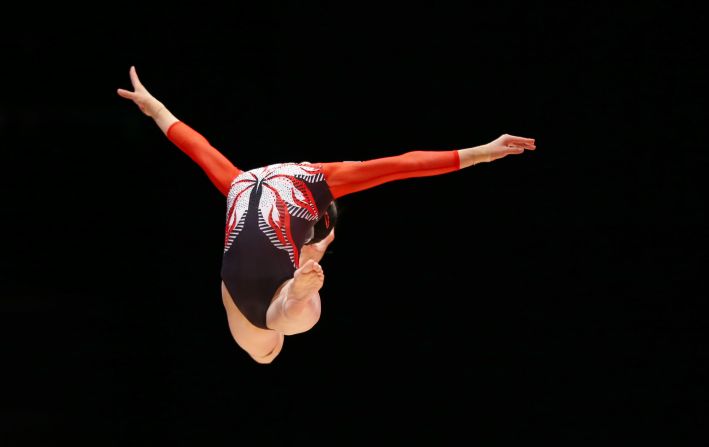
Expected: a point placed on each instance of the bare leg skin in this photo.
(296, 307)
(261, 344)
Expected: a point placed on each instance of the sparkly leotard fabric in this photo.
(271, 209)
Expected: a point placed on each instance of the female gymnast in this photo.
(280, 219)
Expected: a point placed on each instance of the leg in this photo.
(296, 306)
(261, 344)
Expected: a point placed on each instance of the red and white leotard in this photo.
(271, 209)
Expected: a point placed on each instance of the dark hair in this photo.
(324, 225)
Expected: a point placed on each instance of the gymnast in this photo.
(281, 218)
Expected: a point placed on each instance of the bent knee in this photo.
(262, 351)
(266, 359)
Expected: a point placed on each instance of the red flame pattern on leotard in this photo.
(284, 194)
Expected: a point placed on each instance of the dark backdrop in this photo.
(558, 294)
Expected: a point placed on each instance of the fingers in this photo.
(515, 150)
(136, 85)
(126, 94)
(519, 142)
(134, 78)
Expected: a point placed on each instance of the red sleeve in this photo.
(219, 170)
(351, 176)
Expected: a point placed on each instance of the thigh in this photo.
(259, 343)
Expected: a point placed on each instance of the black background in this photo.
(554, 295)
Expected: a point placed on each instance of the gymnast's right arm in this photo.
(217, 167)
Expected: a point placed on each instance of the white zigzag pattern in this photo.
(241, 207)
(235, 232)
(271, 233)
(302, 213)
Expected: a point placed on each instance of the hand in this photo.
(506, 145)
(143, 99)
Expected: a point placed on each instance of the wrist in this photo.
(474, 155)
(483, 154)
(155, 109)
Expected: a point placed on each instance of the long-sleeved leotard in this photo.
(271, 209)
(217, 167)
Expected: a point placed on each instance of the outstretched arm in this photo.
(351, 176)
(219, 170)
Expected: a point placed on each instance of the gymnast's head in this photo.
(324, 226)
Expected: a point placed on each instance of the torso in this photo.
(269, 212)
